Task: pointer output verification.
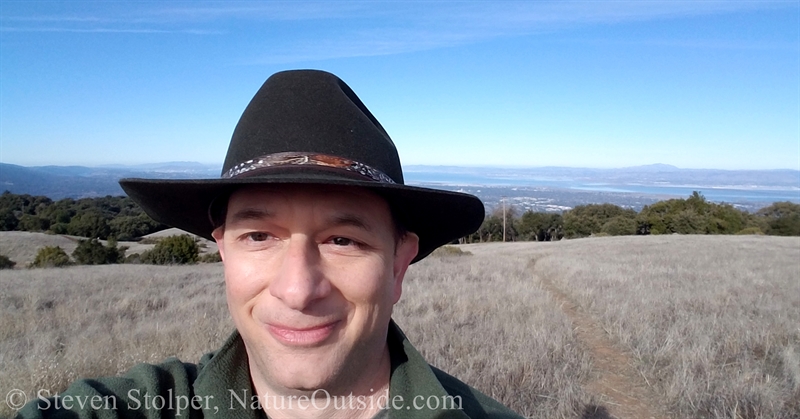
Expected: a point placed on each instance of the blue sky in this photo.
(696, 84)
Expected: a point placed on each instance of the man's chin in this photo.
(307, 385)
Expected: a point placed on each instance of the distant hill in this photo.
(565, 186)
(655, 174)
(57, 182)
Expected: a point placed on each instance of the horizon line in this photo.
(464, 166)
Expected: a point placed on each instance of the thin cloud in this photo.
(690, 43)
(368, 28)
(364, 43)
(426, 26)
(265, 11)
(41, 19)
(109, 30)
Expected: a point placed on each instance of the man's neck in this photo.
(359, 400)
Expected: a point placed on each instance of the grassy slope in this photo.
(711, 321)
(21, 246)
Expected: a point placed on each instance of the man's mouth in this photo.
(302, 336)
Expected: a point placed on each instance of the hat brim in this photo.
(438, 217)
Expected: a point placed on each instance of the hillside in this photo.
(21, 246)
(57, 182)
(625, 327)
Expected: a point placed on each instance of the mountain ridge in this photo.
(75, 181)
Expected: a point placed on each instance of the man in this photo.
(316, 230)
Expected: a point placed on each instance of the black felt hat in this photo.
(307, 126)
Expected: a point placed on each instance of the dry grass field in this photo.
(629, 327)
(21, 246)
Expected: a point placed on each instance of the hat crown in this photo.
(311, 111)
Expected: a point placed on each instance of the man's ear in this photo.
(405, 252)
(219, 234)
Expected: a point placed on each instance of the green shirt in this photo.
(219, 386)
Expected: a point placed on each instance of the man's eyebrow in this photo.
(345, 219)
(250, 214)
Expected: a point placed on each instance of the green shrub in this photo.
(782, 219)
(587, 220)
(92, 252)
(211, 258)
(30, 222)
(619, 226)
(50, 257)
(8, 221)
(173, 250)
(6, 263)
(450, 251)
(59, 228)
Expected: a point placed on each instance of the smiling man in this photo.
(316, 230)
(312, 275)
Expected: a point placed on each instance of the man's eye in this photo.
(342, 241)
(258, 236)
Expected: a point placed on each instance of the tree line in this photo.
(110, 218)
(693, 215)
(119, 218)
(115, 217)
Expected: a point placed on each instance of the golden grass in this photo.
(21, 246)
(711, 322)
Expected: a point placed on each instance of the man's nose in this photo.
(300, 281)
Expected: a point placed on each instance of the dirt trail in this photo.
(623, 392)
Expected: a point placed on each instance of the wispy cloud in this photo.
(430, 25)
(108, 30)
(690, 43)
(368, 28)
(279, 10)
(58, 18)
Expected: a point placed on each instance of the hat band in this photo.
(307, 159)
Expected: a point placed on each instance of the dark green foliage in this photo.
(446, 251)
(694, 215)
(23, 204)
(781, 219)
(585, 220)
(131, 227)
(91, 223)
(172, 250)
(30, 222)
(211, 258)
(8, 221)
(540, 226)
(6, 263)
(492, 230)
(50, 257)
(620, 226)
(92, 252)
(60, 211)
(90, 217)
(492, 227)
(59, 228)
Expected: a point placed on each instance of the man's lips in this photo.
(304, 336)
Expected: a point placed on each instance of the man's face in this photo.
(311, 274)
